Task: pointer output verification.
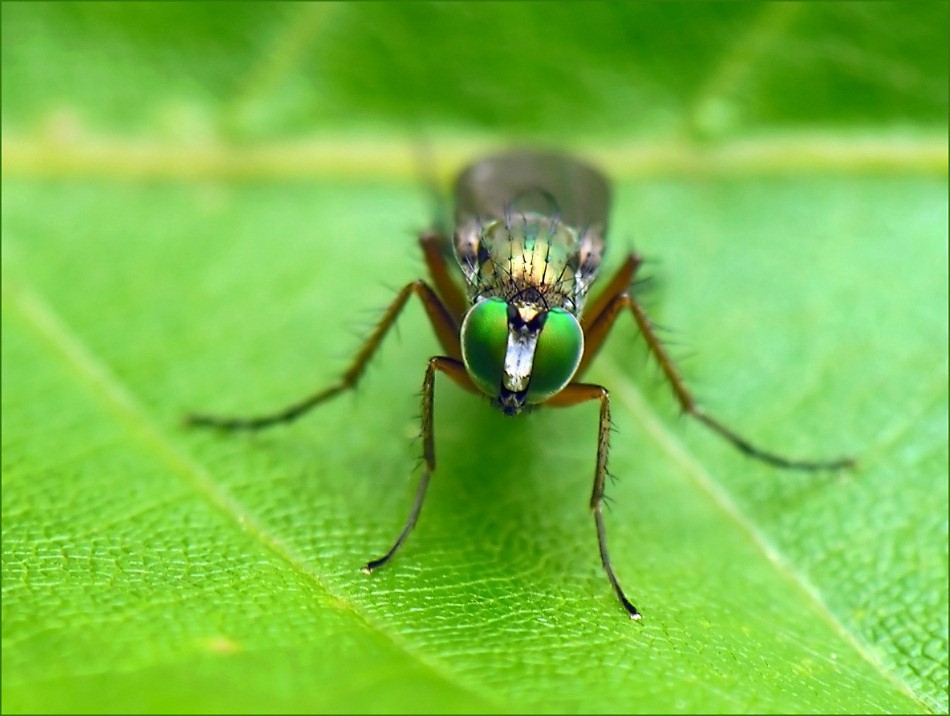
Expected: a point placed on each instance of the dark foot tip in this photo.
(374, 564)
(631, 610)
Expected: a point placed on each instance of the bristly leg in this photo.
(606, 309)
(442, 321)
(574, 394)
(455, 370)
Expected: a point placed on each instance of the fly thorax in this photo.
(522, 252)
(525, 321)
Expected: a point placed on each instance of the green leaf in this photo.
(206, 206)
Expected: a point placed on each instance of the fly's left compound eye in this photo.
(559, 351)
(484, 342)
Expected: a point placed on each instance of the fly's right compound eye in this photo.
(485, 342)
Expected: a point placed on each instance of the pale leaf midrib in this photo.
(377, 158)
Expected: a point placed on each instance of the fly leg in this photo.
(605, 311)
(574, 394)
(456, 371)
(443, 322)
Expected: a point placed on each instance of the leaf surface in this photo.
(214, 223)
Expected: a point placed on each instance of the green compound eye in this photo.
(484, 343)
(559, 351)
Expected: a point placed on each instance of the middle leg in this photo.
(441, 319)
(611, 303)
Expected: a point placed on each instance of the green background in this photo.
(207, 206)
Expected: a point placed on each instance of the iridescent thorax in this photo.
(529, 258)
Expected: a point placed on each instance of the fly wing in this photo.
(547, 183)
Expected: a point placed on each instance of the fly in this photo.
(529, 237)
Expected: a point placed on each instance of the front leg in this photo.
(574, 394)
(456, 371)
